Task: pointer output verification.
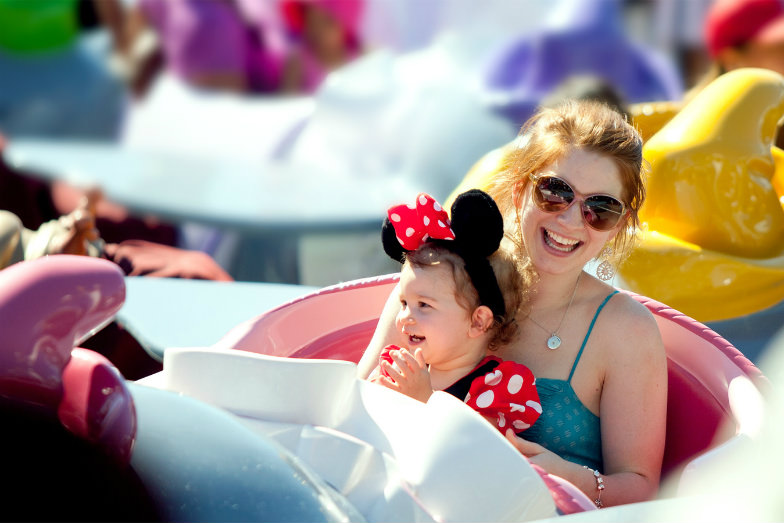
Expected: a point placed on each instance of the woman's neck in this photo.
(553, 291)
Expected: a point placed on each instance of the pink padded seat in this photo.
(338, 322)
(335, 322)
(700, 365)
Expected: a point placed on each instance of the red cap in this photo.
(730, 23)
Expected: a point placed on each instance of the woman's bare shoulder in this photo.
(631, 309)
(629, 322)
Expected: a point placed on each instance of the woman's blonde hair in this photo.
(551, 133)
(513, 274)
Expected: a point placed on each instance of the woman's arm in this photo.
(633, 409)
(386, 333)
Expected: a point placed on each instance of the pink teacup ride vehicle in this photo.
(270, 423)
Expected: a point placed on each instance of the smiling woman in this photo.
(604, 401)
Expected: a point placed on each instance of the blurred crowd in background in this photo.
(417, 91)
(74, 67)
(414, 89)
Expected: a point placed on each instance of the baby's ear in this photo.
(481, 321)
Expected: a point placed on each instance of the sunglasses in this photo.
(601, 212)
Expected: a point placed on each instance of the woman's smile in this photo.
(558, 242)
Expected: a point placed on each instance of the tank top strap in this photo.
(588, 334)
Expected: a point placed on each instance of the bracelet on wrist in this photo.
(599, 486)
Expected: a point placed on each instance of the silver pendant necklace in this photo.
(554, 341)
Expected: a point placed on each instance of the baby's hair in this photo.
(514, 278)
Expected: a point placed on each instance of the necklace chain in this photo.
(554, 341)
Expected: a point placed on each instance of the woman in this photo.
(597, 354)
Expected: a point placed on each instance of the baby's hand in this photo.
(409, 374)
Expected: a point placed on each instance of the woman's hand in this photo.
(535, 453)
(409, 374)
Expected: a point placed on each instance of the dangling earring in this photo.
(605, 270)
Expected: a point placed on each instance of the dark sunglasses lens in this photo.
(602, 212)
(553, 194)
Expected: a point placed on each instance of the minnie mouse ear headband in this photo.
(474, 233)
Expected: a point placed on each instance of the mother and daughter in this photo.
(480, 321)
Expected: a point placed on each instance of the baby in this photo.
(452, 309)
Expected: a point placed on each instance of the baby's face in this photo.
(430, 316)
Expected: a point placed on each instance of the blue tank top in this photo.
(566, 426)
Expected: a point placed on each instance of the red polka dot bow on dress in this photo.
(508, 395)
(414, 224)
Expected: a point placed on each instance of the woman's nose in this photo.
(572, 215)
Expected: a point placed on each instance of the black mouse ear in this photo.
(391, 244)
(477, 222)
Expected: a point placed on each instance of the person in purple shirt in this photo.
(207, 43)
(585, 37)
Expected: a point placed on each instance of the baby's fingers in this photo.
(420, 357)
(386, 382)
(399, 357)
(405, 360)
(392, 370)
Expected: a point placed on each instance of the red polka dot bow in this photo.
(507, 394)
(414, 224)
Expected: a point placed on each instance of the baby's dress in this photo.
(502, 390)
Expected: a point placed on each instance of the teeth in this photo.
(560, 239)
(564, 244)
